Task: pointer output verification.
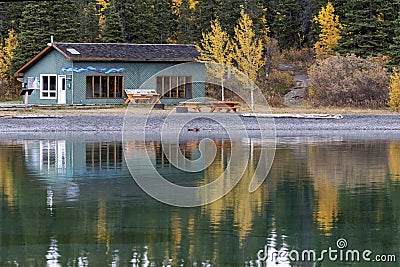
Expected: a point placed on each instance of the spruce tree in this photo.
(35, 30)
(138, 21)
(186, 24)
(204, 14)
(89, 23)
(66, 22)
(258, 13)
(285, 23)
(228, 13)
(113, 29)
(394, 47)
(306, 26)
(368, 27)
(10, 16)
(164, 21)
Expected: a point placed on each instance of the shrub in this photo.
(394, 95)
(275, 86)
(279, 82)
(9, 89)
(349, 81)
(301, 59)
(273, 99)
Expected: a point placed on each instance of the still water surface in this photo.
(74, 203)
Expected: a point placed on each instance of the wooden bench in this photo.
(137, 99)
(227, 105)
(193, 105)
(136, 96)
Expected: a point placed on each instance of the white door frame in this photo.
(62, 89)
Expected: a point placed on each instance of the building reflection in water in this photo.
(52, 255)
(314, 179)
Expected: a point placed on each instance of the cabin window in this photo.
(104, 86)
(48, 86)
(175, 86)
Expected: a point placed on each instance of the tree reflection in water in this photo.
(72, 203)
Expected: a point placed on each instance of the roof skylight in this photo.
(73, 51)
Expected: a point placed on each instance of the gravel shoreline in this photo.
(102, 126)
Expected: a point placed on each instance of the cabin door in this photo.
(62, 92)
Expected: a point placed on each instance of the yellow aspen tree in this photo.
(3, 66)
(248, 50)
(176, 4)
(103, 4)
(7, 53)
(215, 47)
(394, 94)
(193, 4)
(329, 31)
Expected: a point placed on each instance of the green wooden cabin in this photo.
(99, 73)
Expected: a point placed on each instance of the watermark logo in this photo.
(340, 253)
(172, 129)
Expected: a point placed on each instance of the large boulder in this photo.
(299, 93)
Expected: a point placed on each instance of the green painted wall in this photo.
(135, 74)
(49, 64)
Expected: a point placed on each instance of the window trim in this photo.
(107, 88)
(48, 84)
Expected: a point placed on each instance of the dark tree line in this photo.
(371, 27)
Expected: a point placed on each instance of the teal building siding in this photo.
(51, 63)
(136, 75)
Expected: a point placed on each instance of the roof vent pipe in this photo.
(51, 40)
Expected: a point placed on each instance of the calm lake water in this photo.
(74, 203)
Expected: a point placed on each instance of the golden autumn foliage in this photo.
(103, 4)
(7, 183)
(7, 53)
(394, 94)
(176, 4)
(330, 31)
(245, 51)
(394, 160)
(215, 46)
(247, 48)
(248, 51)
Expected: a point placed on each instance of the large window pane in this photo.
(174, 83)
(120, 85)
(96, 86)
(188, 87)
(159, 86)
(48, 86)
(89, 87)
(166, 85)
(178, 86)
(181, 87)
(104, 86)
(53, 83)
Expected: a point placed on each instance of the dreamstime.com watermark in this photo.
(340, 253)
(139, 131)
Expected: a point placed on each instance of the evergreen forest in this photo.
(295, 28)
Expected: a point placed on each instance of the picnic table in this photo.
(227, 105)
(193, 105)
(141, 96)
